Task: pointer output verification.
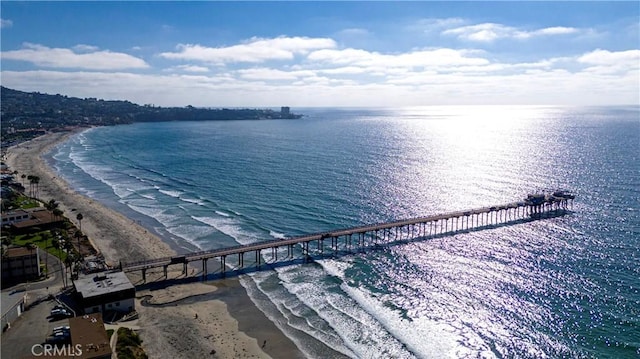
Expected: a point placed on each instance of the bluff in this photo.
(25, 115)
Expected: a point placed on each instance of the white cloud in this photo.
(342, 57)
(605, 57)
(273, 74)
(611, 62)
(188, 68)
(354, 32)
(435, 24)
(85, 48)
(323, 75)
(65, 58)
(488, 32)
(481, 32)
(557, 30)
(562, 81)
(255, 50)
(347, 70)
(419, 58)
(5, 23)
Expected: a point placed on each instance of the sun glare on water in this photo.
(470, 140)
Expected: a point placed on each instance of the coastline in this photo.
(168, 324)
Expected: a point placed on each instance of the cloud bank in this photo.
(80, 57)
(317, 71)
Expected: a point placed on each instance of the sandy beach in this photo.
(227, 325)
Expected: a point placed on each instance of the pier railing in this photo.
(349, 240)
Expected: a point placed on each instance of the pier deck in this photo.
(535, 206)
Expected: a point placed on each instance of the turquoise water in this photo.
(561, 287)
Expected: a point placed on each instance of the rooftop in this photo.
(102, 283)
(88, 331)
(39, 216)
(15, 252)
(10, 299)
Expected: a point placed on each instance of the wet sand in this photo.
(228, 325)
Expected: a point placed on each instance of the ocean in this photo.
(564, 287)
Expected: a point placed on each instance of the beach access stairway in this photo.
(534, 207)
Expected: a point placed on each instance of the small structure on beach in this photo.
(105, 291)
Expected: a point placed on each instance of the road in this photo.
(33, 327)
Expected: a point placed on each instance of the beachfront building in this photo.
(20, 264)
(106, 291)
(88, 334)
(21, 221)
(17, 216)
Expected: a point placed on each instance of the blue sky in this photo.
(310, 54)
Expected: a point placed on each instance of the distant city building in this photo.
(88, 334)
(20, 264)
(285, 111)
(106, 291)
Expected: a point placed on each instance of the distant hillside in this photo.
(28, 114)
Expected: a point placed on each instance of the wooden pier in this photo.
(349, 240)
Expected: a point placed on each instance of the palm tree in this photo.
(33, 180)
(51, 206)
(55, 243)
(30, 178)
(57, 212)
(68, 262)
(36, 180)
(79, 218)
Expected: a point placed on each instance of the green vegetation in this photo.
(129, 345)
(16, 200)
(110, 333)
(25, 202)
(28, 115)
(58, 240)
(43, 240)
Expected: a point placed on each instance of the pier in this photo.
(358, 239)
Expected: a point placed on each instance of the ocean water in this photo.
(565, 287)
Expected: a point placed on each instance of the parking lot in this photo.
(33, 327)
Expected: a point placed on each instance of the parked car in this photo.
(60, 313)
(61, 335)
(61, 329)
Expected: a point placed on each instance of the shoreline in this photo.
(170, 330)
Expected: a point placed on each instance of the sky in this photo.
(325, 54)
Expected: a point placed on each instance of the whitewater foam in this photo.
(230, 227)
(277, 235)
(223, 214)
(171, 193)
